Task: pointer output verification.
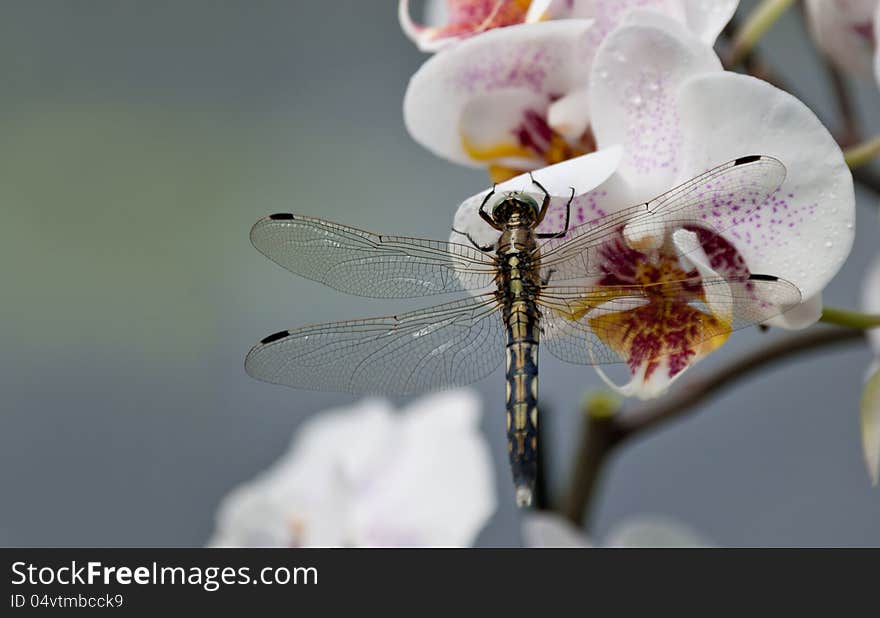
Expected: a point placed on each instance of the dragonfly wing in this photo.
(366, 264)
(574, 329)
(447, 345)
(715, 200)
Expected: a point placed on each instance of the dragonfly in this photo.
(526, 289)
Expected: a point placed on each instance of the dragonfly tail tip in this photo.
(523, 496)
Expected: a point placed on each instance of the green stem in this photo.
(862, 154)
(757, 23)
(849, 318)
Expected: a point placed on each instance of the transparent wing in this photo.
(447, 345)
(747, 301)
(366, 264)
(716, 200)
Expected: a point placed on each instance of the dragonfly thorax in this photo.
(516, 210)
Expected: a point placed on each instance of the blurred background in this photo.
(142, 139)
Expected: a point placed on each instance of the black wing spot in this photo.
(754, 277)
(281, 334)
(282, 216)
(748, 159)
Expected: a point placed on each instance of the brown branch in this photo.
(670, 407)
(868, 178)
(602, 434)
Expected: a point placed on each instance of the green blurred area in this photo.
(113, 222)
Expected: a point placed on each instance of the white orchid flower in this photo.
(449, 21)
(848, 31)
(516, 99)
(870, 407)
(369, 476)
(542, 529)
(660, 110)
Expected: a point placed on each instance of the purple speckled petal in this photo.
(482, 87)
(804, 231)
(636, 76)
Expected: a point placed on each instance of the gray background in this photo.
(141, 140)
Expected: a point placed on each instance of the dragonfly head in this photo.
(520, 206)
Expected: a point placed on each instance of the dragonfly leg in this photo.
(486, 216)
(486, 249)
(546, 203)
(567, 220)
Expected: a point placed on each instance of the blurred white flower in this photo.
(662, 111)
(515, 99)
(369, 476)
(870, 405)
(449, 21)
(542, 529)
(848, 31)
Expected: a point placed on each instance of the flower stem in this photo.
(598, 438)
(757, 23)
(603, 433)
(849, 318)
(862, 154)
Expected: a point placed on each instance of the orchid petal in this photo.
(842, 29)
(871, 301)
(570, 115)
(438, 488)
(877, 44)
(707, 19)
(582, 173)
(800, 316)
(368, 476)
(610, 14)
(802, 233)
(668, 357)
(478, 91)
(870, 412)
(719, 298)
(636, 76)
(539, 10)
(542, 529)
(653, 531)
(870, 403)
(450, 21)
(640, 386)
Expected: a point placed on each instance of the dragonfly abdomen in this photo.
(522, 398)
(518, 288)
